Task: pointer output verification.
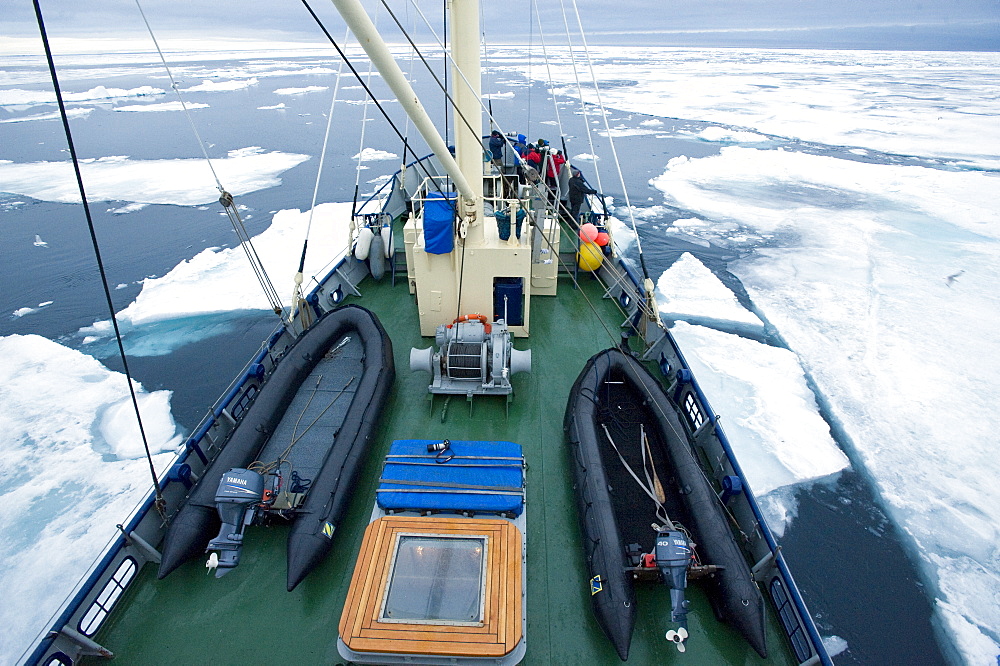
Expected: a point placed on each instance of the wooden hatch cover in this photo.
(446, 586)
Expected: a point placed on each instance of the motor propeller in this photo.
(678, 637)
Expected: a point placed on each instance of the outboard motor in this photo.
(673, 555)
(474, 357)
(240, 492)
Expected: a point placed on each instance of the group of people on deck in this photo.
(532, 158)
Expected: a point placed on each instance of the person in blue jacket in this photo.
(521, 144)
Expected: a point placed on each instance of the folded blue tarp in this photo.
(476, 476)
(439, 223)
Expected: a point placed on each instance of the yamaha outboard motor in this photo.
(240, 492)
(673, 555)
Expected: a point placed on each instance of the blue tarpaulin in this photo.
(439, 222)
(476, 476)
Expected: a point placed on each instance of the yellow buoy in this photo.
(589, 257)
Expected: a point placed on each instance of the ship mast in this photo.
(480, 273)
(466, 93)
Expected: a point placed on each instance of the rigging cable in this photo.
(484, 107)
(406, 131)
(484, 50)
(159, 503)
(444, 47)
(532, 10)
(583, 104)
(364, 122)
(225, 198)
(370, 93)
(298, 298)
(485, 64)
(548, 71)
(611, 139)
(450, 103)
(173, 86)
(447, 58)
(612, 337)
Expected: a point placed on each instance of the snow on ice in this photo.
(71, 468)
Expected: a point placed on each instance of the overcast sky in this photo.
(888, 24)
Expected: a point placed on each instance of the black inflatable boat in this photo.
(296, 452)
(634, 467)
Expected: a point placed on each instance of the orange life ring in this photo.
(471, 317)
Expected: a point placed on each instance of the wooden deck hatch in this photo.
(457, 593)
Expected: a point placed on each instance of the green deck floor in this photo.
(248, 617)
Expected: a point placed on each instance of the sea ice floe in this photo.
(855, 280)
(221, 86)
(722, 134)
(885, 101)
(768, 411)
(53, 115)
(16, 96)
(127, 208)
(300, 91)
(185, 182)
(180, 293)
(691, 292)
(161, 106)
(20, 312)
(373, 155)
(71, 468)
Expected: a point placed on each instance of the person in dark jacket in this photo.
(578, 191)
(496, 148)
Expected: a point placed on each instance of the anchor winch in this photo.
(474, 357)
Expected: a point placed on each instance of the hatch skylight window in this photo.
(436, 579)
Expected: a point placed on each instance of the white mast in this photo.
(476, 278)
(464, 30)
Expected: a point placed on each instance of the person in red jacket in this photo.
(555, 163)
(534, 160)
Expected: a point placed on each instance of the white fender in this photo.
(364, 244)
(387, 241)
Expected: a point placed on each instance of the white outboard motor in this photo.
(474, 357)
(239, 494)
(673, 555)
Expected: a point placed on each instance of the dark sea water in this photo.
(846, 555)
